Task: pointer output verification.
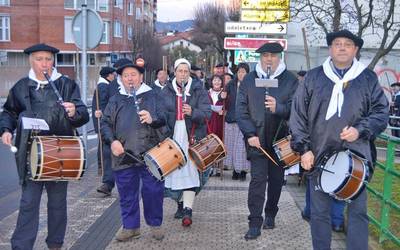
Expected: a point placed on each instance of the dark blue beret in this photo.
(130, 65)
(344, 33)
(106, 71)
(41, 47)
(121, 62)
(270, 48)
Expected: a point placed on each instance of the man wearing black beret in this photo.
(340, 106)
(64, 112)
(99, 103)
(261, 118)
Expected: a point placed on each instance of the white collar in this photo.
(337, 96)
(54, 76)
(157, 83)
(214, 95)
(279, 70)
(187, 87)
(142, 89)
(102, 80)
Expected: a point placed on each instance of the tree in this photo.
(209, 24)
(182, 52)
(369, 19)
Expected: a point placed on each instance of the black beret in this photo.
(302, 73)
(395, 84)
(41, 47)
(121, 62)
(221, 64)
(106, 70)
(344, 33)
(194, 67)
(130, 65)
(270, 48)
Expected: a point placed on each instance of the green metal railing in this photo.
(385, 197)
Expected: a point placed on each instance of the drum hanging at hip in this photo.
(285, 153)
(55, 158)
(343, 175)
(207, 151)
(164, 158)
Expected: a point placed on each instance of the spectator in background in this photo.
(161, 81)
(99, 103)
(227, 78)
(395, 108)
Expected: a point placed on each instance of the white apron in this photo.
(187, 176)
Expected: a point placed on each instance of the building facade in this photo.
(27, 22)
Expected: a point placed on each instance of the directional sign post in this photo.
(234, 43)
(255, 28)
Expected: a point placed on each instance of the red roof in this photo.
(177, 36)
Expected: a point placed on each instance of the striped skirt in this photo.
(236, 151)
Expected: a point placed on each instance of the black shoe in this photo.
(104, 189)
(338, 229)
(269, 223)
(305, 217)
(187, 217)
(252, 234)
(235, 175)
(179, 211)
(243, 176)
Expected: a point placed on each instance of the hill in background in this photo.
(178, 26)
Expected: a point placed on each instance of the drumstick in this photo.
(134, 157)
(268, 156)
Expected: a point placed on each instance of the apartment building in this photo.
(27, 22)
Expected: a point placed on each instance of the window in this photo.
(138, 13)
(118, 4)
(4, 28)
(65, 60)
(103, 5)
(68, 37)
(130, 8)
(130, 32)
(4, 2)
(106, 31)
(117, 29)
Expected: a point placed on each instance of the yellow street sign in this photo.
(281, 16)
(265, 4)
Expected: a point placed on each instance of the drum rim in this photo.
(151, 159)
(180, 148)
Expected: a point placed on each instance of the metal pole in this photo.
(84, 64)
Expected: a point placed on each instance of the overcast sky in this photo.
(176, 10)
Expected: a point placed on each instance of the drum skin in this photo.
(54, 158)
(164, 158)
(207, 151)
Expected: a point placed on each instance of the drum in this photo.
(164, 158)
(55, 158)
(285, 153)
(207, 151)
(343, 175)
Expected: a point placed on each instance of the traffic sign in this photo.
(247, 56)
(268, 16)
(233, 43)
(94, 29)
(265, 4)
(255, 28)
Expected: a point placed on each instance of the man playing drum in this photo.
(340, 105)
(32, 96)
(187, 106)
(129, 125)
(261, 118)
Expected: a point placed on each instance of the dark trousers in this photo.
(152, 191)
(337, 208)
(263, 171)
(27, 227)
(108, 176)
(357, 229)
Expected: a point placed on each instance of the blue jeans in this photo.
(152, 190)
(27, 227)
(321, 232)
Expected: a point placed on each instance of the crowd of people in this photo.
(334, 107)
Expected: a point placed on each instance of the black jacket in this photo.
(252, 117)
(231, 90)
(365, 107)
(201, 109)
(121, 122)
(25, 101)
(102, 89)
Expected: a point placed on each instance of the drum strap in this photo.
(277, 131)
(192, 137)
